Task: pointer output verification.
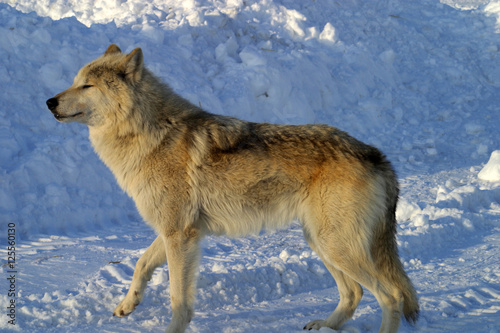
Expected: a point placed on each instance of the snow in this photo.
(491, 171)
(418, 79)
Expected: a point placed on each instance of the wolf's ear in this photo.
(132, 65)
(113, 48)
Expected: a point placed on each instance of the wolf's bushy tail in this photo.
(411, 308)
(385, 251)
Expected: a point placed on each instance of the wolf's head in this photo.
(101, 92)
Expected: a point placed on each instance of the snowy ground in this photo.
(418, 79)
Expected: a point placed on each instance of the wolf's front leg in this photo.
(151, 259)
(183, 252)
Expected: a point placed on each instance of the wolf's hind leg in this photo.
(350, 295)
(153, 257)
(357, 264)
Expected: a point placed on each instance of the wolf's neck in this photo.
(125, 145)
(156, 114)
(123, 153)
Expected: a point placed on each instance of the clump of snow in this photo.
(328, 35)
(491, 171)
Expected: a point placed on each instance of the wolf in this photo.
(192, 173)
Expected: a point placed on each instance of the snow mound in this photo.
(491, 171)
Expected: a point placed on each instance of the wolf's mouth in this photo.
(60, 117)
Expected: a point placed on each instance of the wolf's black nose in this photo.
(52, 103)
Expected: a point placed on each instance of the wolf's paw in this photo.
(128, 304)
(315, 324)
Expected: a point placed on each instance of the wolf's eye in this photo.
(87, 86)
